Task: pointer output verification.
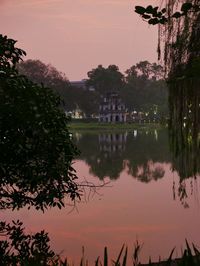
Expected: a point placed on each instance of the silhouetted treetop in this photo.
(105, 79)
(42, 73)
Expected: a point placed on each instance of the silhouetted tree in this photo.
(19, 248)
(50, 77)
(36, 149)
(145, 89)
(105, 79)
(41, 73)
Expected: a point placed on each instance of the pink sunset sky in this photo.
(78, 35)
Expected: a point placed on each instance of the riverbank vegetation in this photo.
(20, 248)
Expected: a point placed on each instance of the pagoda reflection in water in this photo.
(112, 142)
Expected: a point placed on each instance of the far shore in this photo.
(113, 126)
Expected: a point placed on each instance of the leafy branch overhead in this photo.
(10, 55)
(154, 15)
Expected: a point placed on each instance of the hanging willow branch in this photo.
(180, 37)
(179, 50)
(178, 29)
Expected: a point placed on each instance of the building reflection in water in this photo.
(135, 132)
(112, 142)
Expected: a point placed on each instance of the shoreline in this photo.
(111, 126)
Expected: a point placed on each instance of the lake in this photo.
(140, 194)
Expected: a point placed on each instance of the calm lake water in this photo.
(143, 199)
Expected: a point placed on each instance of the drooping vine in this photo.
(178, 29)
(179, 50)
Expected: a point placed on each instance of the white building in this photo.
(112, 109)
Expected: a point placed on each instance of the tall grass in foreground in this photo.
(190, 257)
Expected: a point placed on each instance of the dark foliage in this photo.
(19, 248)
(142, 87)
(36, 150)
(156, 15)
(105, 79)
(179, 45)
(145, 90)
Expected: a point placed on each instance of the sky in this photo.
(76, 36)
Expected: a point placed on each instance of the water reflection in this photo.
(112, 142)
(143, 154)
(139, 152)
(135, 158)
(149, 171)
(184, 131)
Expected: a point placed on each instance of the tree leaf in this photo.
(149, 9)
(186, 7)
(140, 10)
(153, 21)
(177, 15)
(146, 16)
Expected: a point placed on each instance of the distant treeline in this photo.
(142, 86)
